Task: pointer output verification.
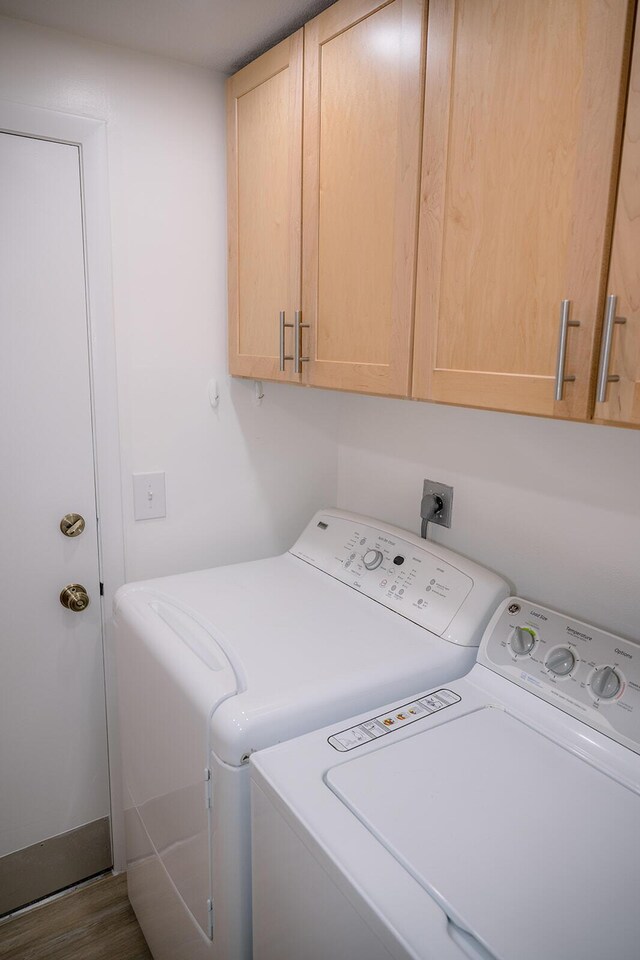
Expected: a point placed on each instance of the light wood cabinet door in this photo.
(362, 130)
(264, 110)
(521, 133)
(620, 357)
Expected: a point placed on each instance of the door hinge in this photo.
(102, 589)
(208, 784)
(210, 918)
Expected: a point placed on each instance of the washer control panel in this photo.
(399, 572)
(591, 674)
(394, 719)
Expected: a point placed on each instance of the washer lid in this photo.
(547, 865)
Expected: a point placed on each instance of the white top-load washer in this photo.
(495, 818)
(217, 664)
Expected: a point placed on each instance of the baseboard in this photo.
(43, 868)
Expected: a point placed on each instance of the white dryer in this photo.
(494, 818)
(217, 664)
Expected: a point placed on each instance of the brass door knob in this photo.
(74, 597)
(72, 524)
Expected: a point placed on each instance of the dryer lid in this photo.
(526, 846)
(300, 648)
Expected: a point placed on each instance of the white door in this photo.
(54, 796)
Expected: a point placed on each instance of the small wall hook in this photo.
(214, 393)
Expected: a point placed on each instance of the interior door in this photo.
(264, 117)
(362, 131)
(521, 123)
(618, 397)
(54, 797)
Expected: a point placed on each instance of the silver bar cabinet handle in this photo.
(605, 350)
(565, 323)
(282, 341)
(298, 359)
(283, 327)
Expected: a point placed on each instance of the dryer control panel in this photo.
(589, 673)
(447, 594)
(394, 719)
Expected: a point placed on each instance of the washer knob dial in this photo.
(605, 683)
(561, 661)
(522, 640)
(372, 559)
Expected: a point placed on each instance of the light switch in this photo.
(149, 498)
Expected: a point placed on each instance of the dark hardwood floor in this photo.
(93, 923)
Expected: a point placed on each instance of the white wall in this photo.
(241, 480)
(552, 506)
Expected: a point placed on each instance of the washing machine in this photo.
(215, 665)
(493, 818)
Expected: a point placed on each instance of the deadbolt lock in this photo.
(72, 524)
(74, 597)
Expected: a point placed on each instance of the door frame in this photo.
(90, 136)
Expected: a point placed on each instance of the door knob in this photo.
(72, 524)
(74, 597)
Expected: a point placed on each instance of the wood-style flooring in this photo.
(95, 922)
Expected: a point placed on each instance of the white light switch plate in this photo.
(149, 497)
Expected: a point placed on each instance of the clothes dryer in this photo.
(215, 665)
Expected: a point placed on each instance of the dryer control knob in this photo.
(605, 683)
(522, 640)
(372, 559)
(561, 661)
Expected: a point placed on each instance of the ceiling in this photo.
(221, 34)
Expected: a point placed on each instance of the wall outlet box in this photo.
(445, 492)
(149, 496)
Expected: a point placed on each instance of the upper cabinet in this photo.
(264, 170)
(363, 88)
(521, 126)
(422, 199)
(618, 393)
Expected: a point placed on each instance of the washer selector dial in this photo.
(605, 683)
(561, 661)
(372, 559)
(522, 640)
